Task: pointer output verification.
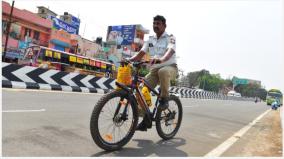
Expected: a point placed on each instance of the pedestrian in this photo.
(275, 104)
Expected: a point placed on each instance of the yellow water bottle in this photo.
(147, 96)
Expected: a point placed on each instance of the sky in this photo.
(242, 38)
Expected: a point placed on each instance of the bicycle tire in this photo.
(160, 131)
(94, 127)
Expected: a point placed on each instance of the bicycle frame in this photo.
(134, 87)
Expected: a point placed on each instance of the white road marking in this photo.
(218, 151)
(21, 111)
(214, 135)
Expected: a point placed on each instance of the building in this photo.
(26, 29)
(62, 30)
(86, 47)
(60, 40)
(72, 20)
(45, 12)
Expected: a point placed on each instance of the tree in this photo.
(261, 93)
(194, 78)
(251, 90)
(211, 82)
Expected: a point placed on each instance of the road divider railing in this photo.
(28, 77)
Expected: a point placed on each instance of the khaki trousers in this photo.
(162, 76)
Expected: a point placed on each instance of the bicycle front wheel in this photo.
(168, 121)
(113, 120)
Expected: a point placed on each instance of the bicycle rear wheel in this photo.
(168, 121)
(113, 121)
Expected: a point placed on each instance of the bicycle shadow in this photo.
(145, 148)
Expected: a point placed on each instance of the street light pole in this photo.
(8, 31)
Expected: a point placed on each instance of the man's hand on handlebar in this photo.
(155, 61)
(151, 62)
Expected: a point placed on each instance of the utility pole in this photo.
(8, 31)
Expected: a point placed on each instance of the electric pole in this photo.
(8, 31)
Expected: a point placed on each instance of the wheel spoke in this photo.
(109, 130)
(168, 124)
(108, 125)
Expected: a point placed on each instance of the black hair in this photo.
(160, 18)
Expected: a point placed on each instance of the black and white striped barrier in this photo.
(27, 77)
(193, 93)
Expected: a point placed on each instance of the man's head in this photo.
(159, 25)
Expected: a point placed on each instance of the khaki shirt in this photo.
(158, 47)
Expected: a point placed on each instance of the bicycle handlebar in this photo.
(138, 63)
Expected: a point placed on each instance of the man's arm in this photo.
(169, 53)
(170, 50)
(138, 56)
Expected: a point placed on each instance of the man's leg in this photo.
(165, 74)
(152, 79)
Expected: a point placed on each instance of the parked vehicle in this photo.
(234, 94)
(40, 56)
(272, 95)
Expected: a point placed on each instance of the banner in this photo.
(86, 61)
(72, 58)
(80, 60)
(57, 55)
(48, 53)
(75, 22)
(122, 34)
(13, 53)
(92, 63)
(60, 24)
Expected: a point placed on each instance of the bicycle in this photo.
(120, 108)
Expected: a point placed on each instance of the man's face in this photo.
(159, 27)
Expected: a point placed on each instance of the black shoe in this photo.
(141, 126)
(163, 104)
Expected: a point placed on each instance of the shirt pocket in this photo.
(160, 49)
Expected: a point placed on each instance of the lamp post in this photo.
(8, 31)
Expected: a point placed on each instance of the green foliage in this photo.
(143, 71)
(251, 90)
(210, 82)
(213, 82)
(174, 82)
(194, 77)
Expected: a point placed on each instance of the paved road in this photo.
(37, 123)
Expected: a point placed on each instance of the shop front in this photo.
(59, 45)
(60, 40)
